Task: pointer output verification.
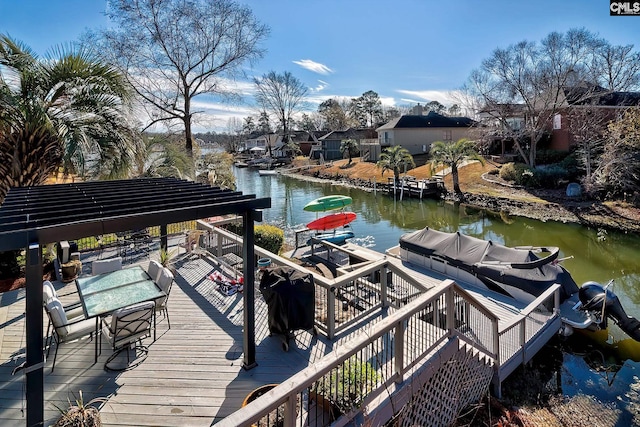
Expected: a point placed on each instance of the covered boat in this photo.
(523, 273)
(517, 272)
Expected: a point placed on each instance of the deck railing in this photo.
(520, 339)
(364, 288)
(338, 387)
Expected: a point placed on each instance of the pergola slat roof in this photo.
(70, 211)
(33, 216)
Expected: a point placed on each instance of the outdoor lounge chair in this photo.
(165, 280)
(64, 329)
(106, 265)
(127, 327)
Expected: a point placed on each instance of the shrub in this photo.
(547, 157)
(508, 172)
(550, 176)
(267, 236)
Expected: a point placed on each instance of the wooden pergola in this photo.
(31, 217)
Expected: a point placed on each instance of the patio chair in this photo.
(72, 311)
(154, 269)
(165, 280)
(65, 330)
(126, 328)
(193, 243)
(106, 265)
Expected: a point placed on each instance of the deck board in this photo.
(192, 375)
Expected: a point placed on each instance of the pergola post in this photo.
(248, 255)
(164, 238)
(34, 367)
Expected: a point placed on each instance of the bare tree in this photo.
(616, 67)
(588, 125)
(540, 78)
(174, 51)
(618, 172)
(282, 95)
(235, 128)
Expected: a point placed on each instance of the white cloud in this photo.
(321, 86)
(445, 97)
(316, 67)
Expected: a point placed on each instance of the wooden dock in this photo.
(412, 187)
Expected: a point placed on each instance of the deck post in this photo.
(450, 310)
(398, 351)
(164, 238)
(331, 312)
(34, 367)
(248, 254)
(383, 286)
(290, 410)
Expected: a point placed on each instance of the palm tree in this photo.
(452, 154)
(394, 158)
(66, 111)
(350, 146)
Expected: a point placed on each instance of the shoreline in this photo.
(558, 208)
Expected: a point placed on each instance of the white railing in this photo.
(362, 289)
(384, 356)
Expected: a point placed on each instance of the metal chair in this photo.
(126, 328)
(72, 311)
(65, 330)
(165, 280)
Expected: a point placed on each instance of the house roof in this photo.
(306, 136)
(601, 97)
(431, 120)
(351, 133)
(50, 213)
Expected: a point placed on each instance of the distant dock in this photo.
(412, 187)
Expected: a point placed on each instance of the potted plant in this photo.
(71, 270)
(80, 414)
(276, 417)
(344, 388)
(167, 257)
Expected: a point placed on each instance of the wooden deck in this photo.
(193, 375)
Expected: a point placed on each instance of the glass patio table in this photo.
(105, 293)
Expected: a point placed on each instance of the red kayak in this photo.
(331, 221)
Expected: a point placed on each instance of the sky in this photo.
(408, 51)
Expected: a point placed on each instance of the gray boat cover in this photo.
(492, 263)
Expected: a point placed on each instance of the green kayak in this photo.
(328, 203)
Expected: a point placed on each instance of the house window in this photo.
(447, 136)
(557, 122)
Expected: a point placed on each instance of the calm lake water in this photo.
(597, 255)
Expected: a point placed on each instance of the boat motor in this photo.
(597, 298)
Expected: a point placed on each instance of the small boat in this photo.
(328, 203)
(331, 221)
(267, 171)
(518, 272)
(337, 237)
(241, 165)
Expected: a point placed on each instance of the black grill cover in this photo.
(290, 297)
